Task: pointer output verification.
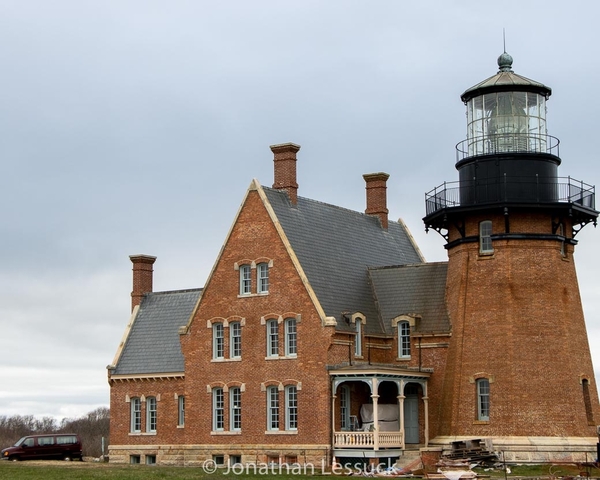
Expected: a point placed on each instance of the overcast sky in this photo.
(137, 126)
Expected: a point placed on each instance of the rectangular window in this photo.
(344, 407)
(218, 410)
(151, 414)
(235, 409)
(485, 237)
(235, 340)
(217, 329)
(403, 339)
(272, 408)
(245, 280)
(181, 410)
(483, 399)
(136, 415)
(291, 408)
(290, 337)
(272, 338)
(358, 339)
(150, 459)
(262, 270)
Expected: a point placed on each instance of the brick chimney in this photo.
(376, 196)
(285, 169)
(142, 277)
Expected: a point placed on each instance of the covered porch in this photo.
(377, 411)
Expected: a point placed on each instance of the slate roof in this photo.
(335, 246)
(413, 289)
(153, 342)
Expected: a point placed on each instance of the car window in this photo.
(27, 442)
(45, 441)
(66, 439)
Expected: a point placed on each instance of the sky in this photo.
(131, 127)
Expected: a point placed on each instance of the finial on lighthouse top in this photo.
(505, 62)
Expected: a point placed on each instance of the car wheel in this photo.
(14, 458)
(67, 458)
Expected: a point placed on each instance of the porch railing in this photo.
(374, 440)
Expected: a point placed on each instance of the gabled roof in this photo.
(418, 289)
(152, 344)
(335, 246)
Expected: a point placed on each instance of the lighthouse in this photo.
(518, 368)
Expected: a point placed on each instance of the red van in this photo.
(66, 446)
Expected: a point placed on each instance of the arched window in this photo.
(358, 338)
(273, 408)
(291, 340)
(235, 340)
(180, 410)
(218, 351)
(403, 339)
(151, 414)
(136, 415)
(218, 409)
(272, 338)
(291, 407)
(485, 238)
(235, 409)
(245, 280)
(483, 399)
(262, 272)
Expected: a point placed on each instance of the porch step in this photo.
(410, 460)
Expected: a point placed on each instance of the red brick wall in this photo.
(254, 237)
(517, 319)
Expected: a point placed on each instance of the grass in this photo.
(56, 470)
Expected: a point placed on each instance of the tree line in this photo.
(90, 427)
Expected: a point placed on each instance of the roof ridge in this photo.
(330, 205)
(167, 292)
(420, 264)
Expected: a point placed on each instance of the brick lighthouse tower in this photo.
(519, 369)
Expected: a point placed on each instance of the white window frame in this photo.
(235, 409)
(151, 414)
(483, 399)
(272, 338)
(273, 408)
(291, 407)
(218, 407)
(485, 238)
(245, 279)
(218, 341)
(235, 340)
(136, 415)
(403, 339)
(291, 337)
(358, 338)
(180, 411)
(262, 278)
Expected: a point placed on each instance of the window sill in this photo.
(486, 256)
(403, 359)
(481, 422)
(226, 432)
(281, 432)
(224, 360)
(277, 357)
(141, 434)
(180, 426)
(250, 295)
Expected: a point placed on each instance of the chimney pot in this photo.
(142, 277)
(285, 169)
(376, 187)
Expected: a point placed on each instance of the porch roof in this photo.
(372, 371)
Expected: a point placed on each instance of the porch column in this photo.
(375, 397)
(401, 398)
(426, 413)
(333, 397)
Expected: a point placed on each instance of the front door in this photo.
(411, 419)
